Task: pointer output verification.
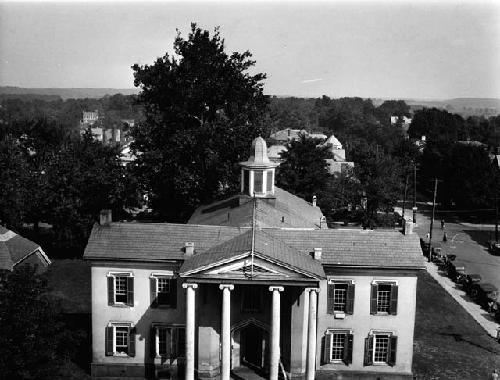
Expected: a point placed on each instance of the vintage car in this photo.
(469, 282)
(456, 271)
(493, 247)
(484, 293)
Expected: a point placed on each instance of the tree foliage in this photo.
(202, 111)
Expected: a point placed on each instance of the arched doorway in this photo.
(250, 345)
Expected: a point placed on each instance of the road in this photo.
(467, 241)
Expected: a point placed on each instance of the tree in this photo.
(30, 334)
(304, 171)
(202, 111)
(438, 125)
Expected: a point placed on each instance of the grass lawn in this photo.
(449, 343)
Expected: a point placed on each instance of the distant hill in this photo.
(66, 93)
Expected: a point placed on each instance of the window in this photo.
(163, 290)
(120, 339)
(338, 347)
(120, 289)
(380, 348)
(340, 297)
(384, 298)
(168, 342)
(258, 179)
(246, 181)
(251, 299)
(270, 181)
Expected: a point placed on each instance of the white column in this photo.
(311, 342)
(305, 327)
(275, 332)
(190, 293)
(226, 330)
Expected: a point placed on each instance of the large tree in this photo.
(202, 109)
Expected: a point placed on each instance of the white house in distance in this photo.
(338, 164)
(255, 286)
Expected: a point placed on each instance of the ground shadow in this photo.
(461, 338)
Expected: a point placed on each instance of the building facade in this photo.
(253, 286)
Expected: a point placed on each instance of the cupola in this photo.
(257, 173)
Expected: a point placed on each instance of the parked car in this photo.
(469, 283)
(483, 293)
(493, 247)
(456, 271)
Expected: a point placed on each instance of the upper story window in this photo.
(258, 181)
(251, 299)
(340, 296)
(120, 339)
(338, 346)
(384, 297)
(163, 290)
(120, 289)
(269, 181)
(380, 348)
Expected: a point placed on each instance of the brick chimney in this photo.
(317, 253)
(105, 217)
(189, 248)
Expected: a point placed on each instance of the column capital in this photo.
(189, 285)
(226, 286)
(278, 288)
(312, 290)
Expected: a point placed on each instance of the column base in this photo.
(213, 374)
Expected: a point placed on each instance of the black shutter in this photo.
(152, 342)
(109, 341)
(111, 290)
(330, 298)
(327, 354)
(131, 341)
(130, 291)
(373, 299)
(393, 348)
(348, 349)
(368, 351)
(349, 301)
(173, 293)
(394, 300)
(152, 286)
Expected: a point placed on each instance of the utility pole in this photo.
(404, 197)
(432, 220)
(414, 193)
(496, 218)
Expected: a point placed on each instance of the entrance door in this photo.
(253, 346)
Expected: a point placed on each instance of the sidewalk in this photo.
(480, 315)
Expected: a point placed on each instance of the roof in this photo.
(15, 248)
(282, 210)
(288, 134)
(334, 142)
(161, 242)
(265, 244)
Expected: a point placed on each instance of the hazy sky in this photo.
(389, 49)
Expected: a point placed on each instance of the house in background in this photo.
(338, 164)
(16, 250)
(252, 287)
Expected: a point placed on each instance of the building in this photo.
(16, 250)
(89, 117)
(338, 164)
(284, 136)
(252, 287)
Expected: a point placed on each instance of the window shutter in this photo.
(394, 300)
(173, 293)
(152, 342)
(393, 347)
(368, 351)
(168, 337)
(330, 298)
(327, 353)
(130, 291)
(175, 343)
(109, 341)
(349, 302)
(131, 341)
(373, 300)
(348, 349)
(152, 286)
(111, 290)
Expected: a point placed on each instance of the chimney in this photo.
(317, 253)
(314, 200)
(105, 218)
(288, 130)
(322, 222)
(408, 227)
(189, 248)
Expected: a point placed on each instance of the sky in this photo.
(390, 49)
